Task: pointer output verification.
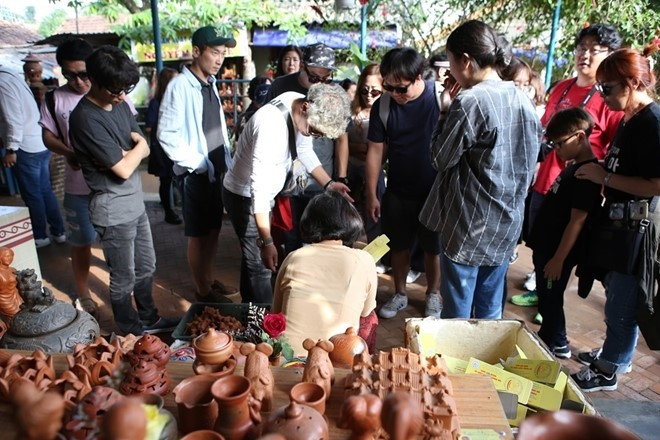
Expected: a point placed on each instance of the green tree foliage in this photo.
(51, 22)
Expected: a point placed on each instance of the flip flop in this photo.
(88, 305)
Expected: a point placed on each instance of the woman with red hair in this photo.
(630, 175)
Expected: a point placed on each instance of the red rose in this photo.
(274, 324)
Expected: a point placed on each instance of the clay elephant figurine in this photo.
(257, 371)
(361, 414)
(318, 368)
(402, 416)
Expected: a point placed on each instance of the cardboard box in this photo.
(522, 413)
(544, 371)
(487, 340)
(503, 380)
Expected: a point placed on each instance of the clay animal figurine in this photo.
(361, 414)
(38, 414)
(35, 296)
(402, 416)
(257, 370)
(10, 300)
(318, 368)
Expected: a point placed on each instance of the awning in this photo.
(337, 39)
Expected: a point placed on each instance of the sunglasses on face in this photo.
(604, 89)
(558, 144)
(314, 79)
(125, 91)
(401, 90)
(375, 93)
(71, 76)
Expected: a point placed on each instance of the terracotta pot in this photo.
(275, 361)
(204, 434)
(213, 347)
(347, 345)
(237, 416)
(196, 406)
(217, 370)
(297, 422)
(310, 394)
(570, 425)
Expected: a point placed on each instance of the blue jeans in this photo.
(622, 293)
(255, 282)
(76, 210)
(33, 178)
(129, 254)
(471, 291)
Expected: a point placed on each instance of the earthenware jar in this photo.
(213, 347)
(297, 422)
(204, 434)
(196, 406)
(347, 345)
(238, 417)
(310, 394)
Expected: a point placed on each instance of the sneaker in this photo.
(538, 319)
(398, 302)
(527, 299)
(562, 352)
(433, 305)
(41, 242)
(530, 283)
(412, 276)
(173, 218)
(60, 238)
(589, 357)
(163, 325)
(381, 268)
(513, 258)
(591, 379)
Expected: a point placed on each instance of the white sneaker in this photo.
(381, 268)
(412, 276)
(433, 305)
(41, 242)
(60, 238)
(398, 302)
(530, 284)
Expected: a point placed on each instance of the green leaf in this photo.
(287, 352)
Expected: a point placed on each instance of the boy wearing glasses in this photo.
(109, 147)
(556, 233)
(592, 45)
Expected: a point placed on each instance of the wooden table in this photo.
(476, 399)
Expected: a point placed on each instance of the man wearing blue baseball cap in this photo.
(193, 133)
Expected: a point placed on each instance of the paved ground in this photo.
(173, 292)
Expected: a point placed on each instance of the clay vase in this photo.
(204, 434)
(571, 425)
(213, 347)
(196, 406)
(217, 370)
(297, 422)
(238, 413)
(310, 394)
(347, 345)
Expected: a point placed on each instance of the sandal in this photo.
(87, 305)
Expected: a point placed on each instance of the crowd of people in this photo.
(457, 159)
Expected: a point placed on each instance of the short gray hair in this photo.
(329, 109)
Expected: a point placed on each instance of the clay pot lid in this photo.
(28, 323)
(212, 340)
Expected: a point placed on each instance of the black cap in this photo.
(319, 55)
(211, 36)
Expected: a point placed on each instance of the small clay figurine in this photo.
(145, 377)
(151, 349)
(257, 370)
(361, 414)
(125, 420)
(10, 300)
(35, 296)
(38, 414)
(402, 416)
(318, 368)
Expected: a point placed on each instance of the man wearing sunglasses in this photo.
(109, 147)
(318, 65)
(413, 114)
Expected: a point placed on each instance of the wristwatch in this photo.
(261, 243)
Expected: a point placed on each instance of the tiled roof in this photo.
(92, 24)
(14, 34)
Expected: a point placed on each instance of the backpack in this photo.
(385, 99)
(50, 105)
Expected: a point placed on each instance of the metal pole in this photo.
(551, 48)
(157, 41)
(363, 31)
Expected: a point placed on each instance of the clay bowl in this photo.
(150, 399)
(215, 370)
(204, 434)
(196, 406)
(310, 394)
(213, 347)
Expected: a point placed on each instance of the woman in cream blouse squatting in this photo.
(325, 287)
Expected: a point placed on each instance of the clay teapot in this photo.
(569, 425)
(297, 422)
(213, 347)
(347, 345)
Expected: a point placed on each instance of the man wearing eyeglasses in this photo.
(412, 116)
(592, 45)
(193, 133)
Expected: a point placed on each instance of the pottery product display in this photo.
(257, 370)
(213, 347)
(402, 416)
(426, 380)
(98, 362)
(346, 346)
(145, 377)
(310, 394)
(10, 300)
(38, 369)
(297, 422)
(218, 371)
(570, 425)
(238, 413)
(46, 323)
(196, 406)
(318, 368)
(38, 414)
(151, 349)
(361, 414)
(85, 420)
(71, 388)
(125, 420)
(203, 435)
